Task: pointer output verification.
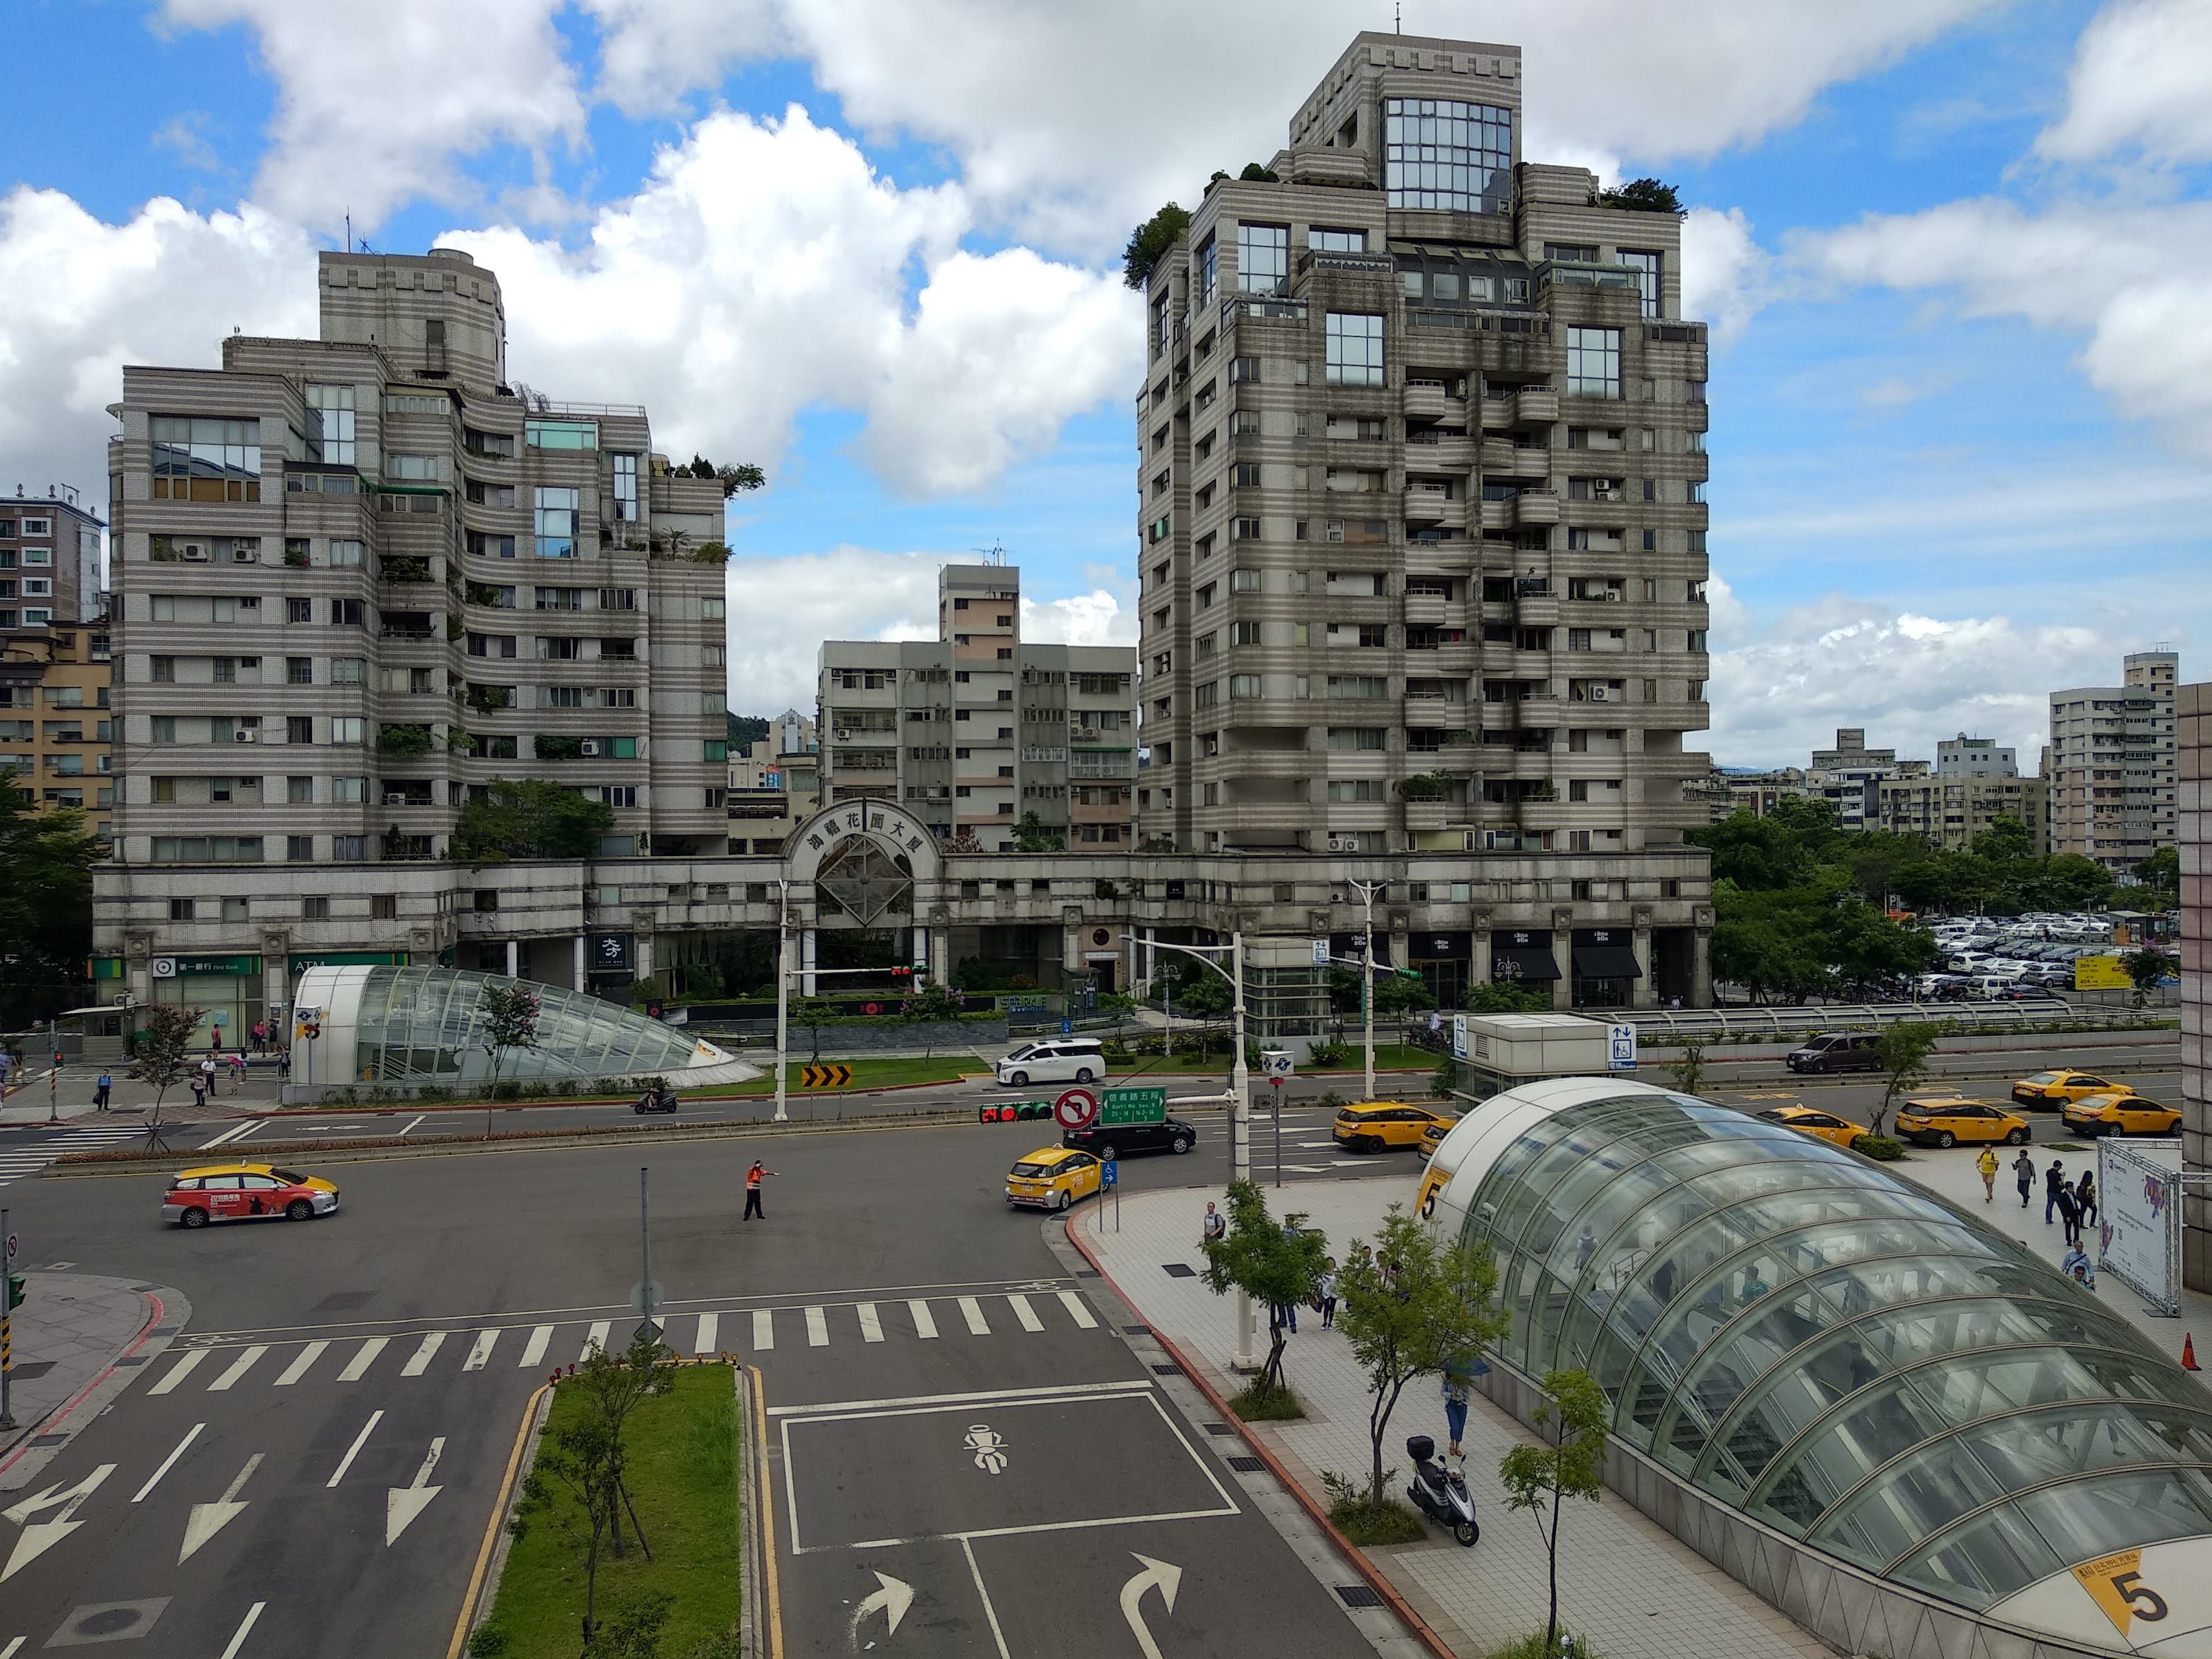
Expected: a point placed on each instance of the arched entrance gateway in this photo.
(859, 878)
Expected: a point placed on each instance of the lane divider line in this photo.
(245, 1630)
(767, 1518)
(354, 1450)
(168, 1463)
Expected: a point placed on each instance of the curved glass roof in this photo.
(1819, 1343)
(424, 1025)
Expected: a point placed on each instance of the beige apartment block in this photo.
(2110, 764)
(1421, 475)
(1949, 812)
(774, 785)
(55, 722)
(973, 731)
(2193, 832)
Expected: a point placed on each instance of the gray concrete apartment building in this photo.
(49, 561)
(1421, 480)
(2109, 767)
(973, 731)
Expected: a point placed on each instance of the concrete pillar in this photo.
(515, 958)
(919, 959)
(1479, 961)
(1643, 994)
(580, 970)
(808, 980)
(1701, 968)
(941, 954)
(644, 969)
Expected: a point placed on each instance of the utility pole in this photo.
(1367, 891)
(645, 1247)
(782, 1001)
(54, 1077)
(1240, 1085)
(6, 1315)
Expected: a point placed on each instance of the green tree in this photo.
(2006, 840)
(1200, 994)
(744, 475)
(1509, 996)
(1689, 1071)
(1761, 854)
(530, 819)
(1571, 1464)
(1149, 244)
(1412, 1309)
(164, 1049)
(930, 1003)
(1900, 1052)
(2145, 970)
(1276, 1263)
(811, 1012)
(1032, 835)
(2160, 873)
(1397, 995)
(1644, 195)
(510, 1011)
(46, 906)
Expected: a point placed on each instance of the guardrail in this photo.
(1792, 1022)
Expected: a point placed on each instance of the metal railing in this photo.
(1793, 1022)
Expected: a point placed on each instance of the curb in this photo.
(491, 1555)
(104, 1379)
(760, 1621)
(1351, 1553)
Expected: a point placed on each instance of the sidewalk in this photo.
(1628, 1584)
(77, 1339)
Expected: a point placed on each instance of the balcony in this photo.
(1432, 400)
(1534, 509)
(1438, 714)
(1535, 406)
(1502, 459)
(1426, 609)
(1441, 451)
(1427, 505)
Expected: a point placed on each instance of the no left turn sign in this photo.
(1076, 1109)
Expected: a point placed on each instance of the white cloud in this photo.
(1725, 273)
(763, 268)
(1092, 618)
(84, 298)
(375, 102)
(2141, 80)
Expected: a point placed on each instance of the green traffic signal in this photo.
(14, 1291)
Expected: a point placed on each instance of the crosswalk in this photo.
(220, 1366)
(19, 1159)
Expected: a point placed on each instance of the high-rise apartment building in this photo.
(49, 561)
(776, 784)
(2110, 764)
(976, 729)
(56, 726)
(1963, 757)
(1422, 471)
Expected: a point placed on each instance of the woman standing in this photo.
(1987, 1164)
(2085, 1194)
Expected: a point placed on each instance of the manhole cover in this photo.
(36, 1368)
(338, 1301)
(1357, 1596)
(1136, 1330)
(1167, 1370)
(1246, 1465)
(48, 1439)
(1086, 1272)
(1179, 1270)
(107, 1621)
(1217, 1428)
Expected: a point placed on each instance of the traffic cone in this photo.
(2189, 1353)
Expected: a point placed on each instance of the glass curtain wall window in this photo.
(1263, 257)
(1439, 152)
(1209, 259)
(330, 424)
(625, 476)
(556, 522)
(560, 434)
(1322, 239)
(1354, 349)
(199, 460)
(1646, 267)
(1594, 362)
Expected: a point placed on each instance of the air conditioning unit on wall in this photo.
(193, 552)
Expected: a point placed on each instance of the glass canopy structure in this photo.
(1818, 1344)
(405, 1027)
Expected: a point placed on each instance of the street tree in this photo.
(1509, 996)
(1411, 1309)
(2145, 970)
(1900, 1053)
(1569, 1463)
(1689, 1071)
(46, 906)
(1033, 834)
(932, 1002)
(164, 1053)
(812, 1012)
(1276, 1263)
(510, 1011)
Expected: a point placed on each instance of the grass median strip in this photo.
(681, 1472)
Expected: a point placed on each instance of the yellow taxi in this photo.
(1053, 1177)
(1821, 1126)
(2120, 1114)
(1947, 1120)
(1376, 1126)
(2049, 1089)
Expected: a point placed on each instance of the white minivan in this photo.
(1055, 1059)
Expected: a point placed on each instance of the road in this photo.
(261, 1487)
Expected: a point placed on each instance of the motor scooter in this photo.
(655, 1100)
(1439, 1491)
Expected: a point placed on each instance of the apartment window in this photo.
(625, 488)
(1244, 371)
(1208, 260)
(299, 670)
(560, 434)
(1355, 738)
(1594, 362)
(1697, 639)
(1358, 686)
(1243, 633)
(300, 728)
(384, 907)
(619, 794)
(483, 546)
(203, 459)
(1322, 239)
(207, 849)
(1244, 581)
(301, 849)
(1355, 789)
(1243, 687)
(348, 670)
(1646, 264)
(347, 613)
(1441, 153)
(165, 669)
(1263, 257)
(480, 494)
(181, 910)
(349, 728)
(555, 522)
(350, 792)
(348, 850)
(1160, 335)
(411, 469)
(1244, 530)
(1353, 350)
(161, 728)
(299, 792)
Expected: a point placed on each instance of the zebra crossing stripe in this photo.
(357, 1367)
(534, 1350)
(480, 1355)
(817, 1328)
(238, 1367)
(423, 1354)
(973, 1310)
(1025, 1313)
(764, 1330)
(707, 1324)
(925, 1322)
(298, 1368)
(596, 1338)
(1077, 1311)
(872, 1327)
(182, 1369)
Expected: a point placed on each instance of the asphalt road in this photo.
(259, 1491)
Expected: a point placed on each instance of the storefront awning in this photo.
(1525, 962)
(1606, 962)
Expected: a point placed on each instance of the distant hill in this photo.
(746, 730)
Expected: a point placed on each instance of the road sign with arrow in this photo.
(824, 1077)
(39, 1536)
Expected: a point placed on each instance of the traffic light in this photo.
(1027, 1111)
(901, 973)
(14, 1291)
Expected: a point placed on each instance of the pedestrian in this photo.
(199, 1088)
(7, 1062)
(1213, 1227)
(2085, 1194)
(754, 1176)
(2076, 1266)
(1327, 1289)
(1987, 1164)
(100, 1090)
(1456, 1393)
(237, 1070)
(2053, 1178)
(2070, 1212)
(1585, 1248)
(2023, 1172)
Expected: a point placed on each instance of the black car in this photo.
(1173, 1135)
(1835, 1051)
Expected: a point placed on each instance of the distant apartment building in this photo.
(1949, 812)
(978, 728)
(1421, 481)
(1760, 793)
(1850, 775)
(49, 561)
(1963, 757)
(776, 784)
(2112, 766)
(56, 726)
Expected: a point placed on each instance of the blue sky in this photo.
(1959, 409)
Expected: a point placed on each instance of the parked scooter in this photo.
(659, 1098)
(1440, 1491)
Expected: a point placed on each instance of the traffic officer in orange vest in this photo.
(753, 1178)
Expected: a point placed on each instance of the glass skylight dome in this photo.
(1818, 1344)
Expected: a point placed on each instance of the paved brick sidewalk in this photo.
(1634, 1589)
(78, 1338)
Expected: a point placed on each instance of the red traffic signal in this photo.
(901, 973)
(1023, 1112)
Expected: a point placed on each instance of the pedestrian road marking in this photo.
(243, 1363)
(168, 1463)
(354, 1450)
(764, 1330)
(237, 1641)
(871, 1327)
(298, 1368)
(707, 1327)
(423, 1354)
(12, 1649)
(1077, 1311)
(534, 1350)
(358, 1365)
(596, 1338)
(480, 1353)
(1025, 1313)
(817, 1328)
(183, 1369)
(973, 1312)
(925, 1322)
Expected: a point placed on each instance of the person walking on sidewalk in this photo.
(1987, 1164)
(2076, 1266)
(237, 1070)
(1455, 1396)
(1325, 1290)
(2085, 1194)
(754, 1176)
(199, 1087)
(2023, 1173)
(2054, 1180)
(1213, 1227)
(2070, 1212)
(100, 1090)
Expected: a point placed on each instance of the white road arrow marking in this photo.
(1162, 1575)
(894, 1596)
(403, 1504)
(38, 1537)
(208, 1519)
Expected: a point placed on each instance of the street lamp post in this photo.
(782, 1000)
(1367, 891)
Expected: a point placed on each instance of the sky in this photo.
(1957, 255)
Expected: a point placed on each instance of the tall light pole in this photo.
(782, 1000)
(1367, 891)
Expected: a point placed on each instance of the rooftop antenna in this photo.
(348, 230)
(994, 553)
(1398, 16)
